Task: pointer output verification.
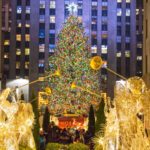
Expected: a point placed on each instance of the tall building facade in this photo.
(5, 26)
(111, 25)
(146, 43)
(0, 44)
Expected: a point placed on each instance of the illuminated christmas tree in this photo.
(72, 61)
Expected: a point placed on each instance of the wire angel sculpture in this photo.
(16, 123)
(125, 119)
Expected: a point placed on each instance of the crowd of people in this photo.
(64, 136)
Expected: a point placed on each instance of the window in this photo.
(127, 46)
(42, 3)
(41, 33)
(27, 51)
(94, 24)
(52, 4)
(6, 42)
(139, 45)
(19, 3)
(119, 30)
(27, 37)
(18, 44)
(26, 65)
(52, 26)
(118, 18)
(127, 53)
(27, 16)
(104, 35)
(51, 48)
(18, 37)
(27, 30)
(128, 1)
(19, 9)
(41, 47)
(127, 5)
(127, 18)
(18, 30)
(27, 10)
(18, 17)
(104, 12)
(52, 38)
(119, 12)
(94, 3)
(42, 18)
(26, 44)
(119, 5)
(127, 12)
(41, 40)
(94, 39)
(127, 30)
(42, 11)
(118, 46)
(18, 52)
(104, 49)
(41, 63)
(118, 39)
(52, 19)
(17, 65)
(52, 12)
(94, 27)
(104, 41)
(118, 54)
(6, 55)
(41, 55)
(94, 12)
(27, 25)
(79, 12)
(139, 58)
(27, 2)
(104, 27)
(94, 49)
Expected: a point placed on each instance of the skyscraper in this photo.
(5, 38)
(0, 44)
(111, 26)
(146, 43)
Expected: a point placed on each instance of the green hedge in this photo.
(55, 146)
(78, 146)
(75, 146)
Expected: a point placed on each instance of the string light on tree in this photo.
(71, 88)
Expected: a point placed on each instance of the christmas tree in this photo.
(72, 60)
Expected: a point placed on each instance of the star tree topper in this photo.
(72, 8)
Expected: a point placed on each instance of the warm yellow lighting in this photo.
(57, 73)
(27, 37)
(73, 85)
(48, 90)
(18, 37)
(16, 123)
(96, 63)
(6, 42)
(27, 51)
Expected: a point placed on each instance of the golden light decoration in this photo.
(96, 62)
(125, 128)
(48, 90)
(16, 123)
(57, 73)
(136, 85)
(73, 85)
